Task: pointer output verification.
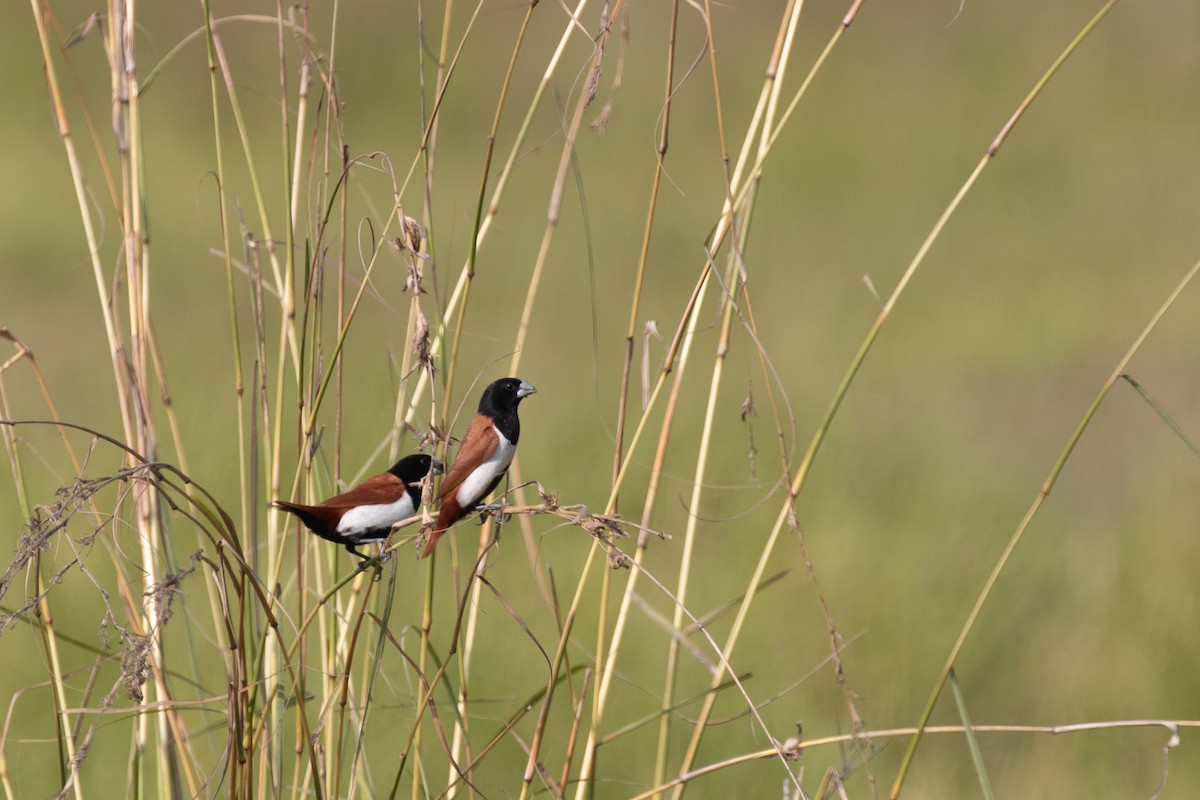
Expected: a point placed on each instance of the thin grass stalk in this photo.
(718, 109)
(290, 669)
(283, 281)
(630, 727)
(172, 722)
(310, 414)
(181, 742)
(587, 769)
(738, 200)
(336, 625)
(635, 302)
(797, 746)
(644, 252)
(342, 316)
(375, 667)
(268, 662)
(572, 26)
(422, 669)
(57, 694)
(608, 667)
(716, 239)
(568, 623)
(346, 621)
(49, 638)
(266, 767)
(127, 120)
(64, 738)
(189, 763)
(1041, 496)
(290, 155)
(343, 692)
(689, 539)
(985, 785)
(779, 750)
(1171, 424)
(603, 665)
(403, 394)
(539, 730)
(756, 167)
(428, 152)
(343, 224)
(251, 644)
(304, 80)
(507, 728)
(806, 463)
(567, 159)
(61, 427)
(729, 200)
(98, 138)
(777, 71)
(467, 650)
(458, 298)
(993, 149)
(552, 217)
(272, 429)
(460, 739)
(454, 302)
(424, 694)
(429, 138)
(427, 684)
(746, 177)
(573, 736)
(428, 146)
(778, 62)
(484, 223)
(444, 74)
(180, 755)
(78, 181)
(423, 95)
(557, 187)
(10, 439)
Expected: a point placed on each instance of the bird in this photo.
(484, 455)
(367, 512)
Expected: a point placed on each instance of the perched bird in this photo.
(484, 455)
(367, 512)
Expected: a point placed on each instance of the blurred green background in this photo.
(1057, 259)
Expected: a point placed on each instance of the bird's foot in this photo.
(496, 510)
(368, 562)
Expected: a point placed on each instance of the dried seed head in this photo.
(414, 233)
(420, 343)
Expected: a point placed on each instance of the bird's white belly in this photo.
(472, 489)
(382, 515)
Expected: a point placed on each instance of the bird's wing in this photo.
(480, 442)
(380, 489)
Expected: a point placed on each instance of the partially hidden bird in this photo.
(367, 512)
(484, 455)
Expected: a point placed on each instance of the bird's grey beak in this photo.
(436, 466)
(525, 390)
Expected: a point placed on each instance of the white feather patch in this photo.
(382, 515)
(471, 490)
